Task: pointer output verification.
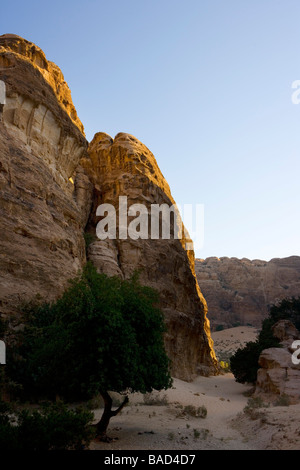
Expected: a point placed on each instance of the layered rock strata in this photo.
(44, 196)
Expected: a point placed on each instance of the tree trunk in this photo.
(102, 425)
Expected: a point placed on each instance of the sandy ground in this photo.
(226, 342)
(166, 424)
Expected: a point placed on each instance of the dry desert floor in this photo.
(166, 420)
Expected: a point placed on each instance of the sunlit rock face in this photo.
(123, 166)
(44, 194)
(50, 187)
(240, 291)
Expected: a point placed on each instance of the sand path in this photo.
(169, 427)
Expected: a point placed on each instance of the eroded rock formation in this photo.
(123, 166)
(42, 211)
(50, 187)
(240, 291)
(279, 375)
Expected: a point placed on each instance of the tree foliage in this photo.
(103, 334)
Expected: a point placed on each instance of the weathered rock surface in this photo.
(240, 291)
(279, 376)
(125, 167)
(42, 211)
(48, 185)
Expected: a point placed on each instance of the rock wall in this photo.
(123, 166)
(50, 187)
(240, 291)
(44, 195)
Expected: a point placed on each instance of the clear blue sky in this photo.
(206, 85)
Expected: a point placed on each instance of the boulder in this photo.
(278, 375)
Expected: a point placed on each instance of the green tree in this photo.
(102, 335)
(287, 309)
(244, 363)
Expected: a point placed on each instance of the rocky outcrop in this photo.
(17, 58)
(50, 188)
(123, 166)
(240, 291)
(44, 195)
(279, 376)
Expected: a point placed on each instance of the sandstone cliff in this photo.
(125, 167)
(50, 187)
(41, 210)
(240, 291)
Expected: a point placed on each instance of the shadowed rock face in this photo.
(241, 290)
(42, 214)
(125, 167)
(50, 187)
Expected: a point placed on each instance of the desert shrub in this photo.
(253, 408)
(283, 400)
(155, 399)
(244, 363)
(202, 434)
(52, 427)
(191, 410)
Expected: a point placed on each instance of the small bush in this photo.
(219, 327)
(155, 399)
(253, 406)
(283, 400)
(191, 410)
(202, 434)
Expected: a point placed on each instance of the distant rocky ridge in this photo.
(51, 182)
(240, 291)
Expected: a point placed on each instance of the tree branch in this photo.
(126, 400)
